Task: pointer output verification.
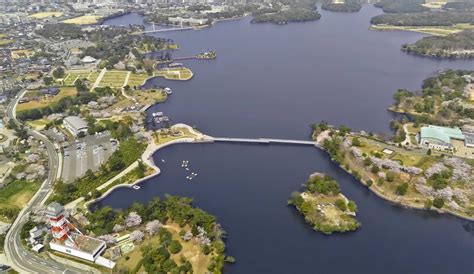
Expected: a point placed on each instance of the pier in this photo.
(264, 141)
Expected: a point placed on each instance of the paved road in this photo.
(20, 258)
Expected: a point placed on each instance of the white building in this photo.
(75, 125)
(439, 138)
(69, 240)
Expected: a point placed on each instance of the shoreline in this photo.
(147, 158)
(399, 202)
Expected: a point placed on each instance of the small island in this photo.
(324, 206)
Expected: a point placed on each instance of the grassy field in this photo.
(45, 101)
(83, 20)
(43, 15)
(5, 42)
(17, 194)
(72, 75)
(433, 30)
(182, 73)
(137, 79)
(434, 5)
(38, 124)
(114, 79)
(16, 54)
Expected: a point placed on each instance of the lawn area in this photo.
(4, 42)
(137, 79)
(113, 79)
(72, 75)
(38, 124)
(43, 15)
(45, 101)
(17, 194)
(181, 73)
(84, 20)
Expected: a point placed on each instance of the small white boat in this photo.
(136, 187)
(187, 168)
(168, 91)
(163, 160)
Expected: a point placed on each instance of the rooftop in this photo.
(54, 209)
(88, 244)
(75, 122)
(443, 134)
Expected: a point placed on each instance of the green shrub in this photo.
(438, 202)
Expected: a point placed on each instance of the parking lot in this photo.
(86, 153)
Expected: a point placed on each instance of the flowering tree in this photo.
(153, 227)
(118, 228)
(109, 239)
(133, 219)
(137, 236)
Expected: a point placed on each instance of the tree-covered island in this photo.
(324, 206)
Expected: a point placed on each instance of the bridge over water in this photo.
(264, 141)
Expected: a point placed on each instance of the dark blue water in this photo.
(273, 81)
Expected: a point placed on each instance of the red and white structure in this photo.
(69, 240)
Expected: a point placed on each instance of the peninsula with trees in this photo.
(342, 6)
(282, 17)
(324, 206)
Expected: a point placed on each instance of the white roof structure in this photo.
(88, 59)
(75, 124)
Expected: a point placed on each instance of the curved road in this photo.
(20, 258)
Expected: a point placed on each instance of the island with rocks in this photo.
(324, 206)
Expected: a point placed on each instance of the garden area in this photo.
(114, 79)
(73, 75)
(181, 73)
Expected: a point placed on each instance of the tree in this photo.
(58, 73)
(369, 183)
(174, 247)
(343, 130)
(48, 80)
(352, 206)
(153, 227)
(356, 142)
(137, 236)
(402, 189)
(428, 204)
(133, 219)
(390, 176)
(438, 202)
(341, 204)
(118, 228)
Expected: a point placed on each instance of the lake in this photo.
(274, 81)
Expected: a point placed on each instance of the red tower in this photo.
(60, 226)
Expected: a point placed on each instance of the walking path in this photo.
(99, 78)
